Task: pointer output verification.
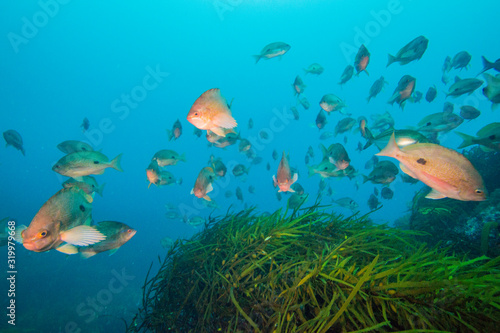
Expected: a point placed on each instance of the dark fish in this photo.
(166, 157)
(321, 119)
(344, 125)
(417, 96)
(85, 124)
(250, 123)
(404, 90)
(239, 170)
(14, 139)
(73, 146)
(198, 132)
(461, 60)
(275, 155)
(487, 65)
(414, 50)
(375, 191)
(295, 112)
(298, 85)
(371, 162)
(431, 94)
(263, 135)
(336, 155)
(116, 233)
(373, 202)
(448, 107)
(387, 193)
(469, 112)
(384, 172)
(330, 102)
(362, 59)
(176, 131)
(347, 74)
(304, 102)
(298, 188)
(463, 86)
(268, 166)
(376, 88)
(239, 194)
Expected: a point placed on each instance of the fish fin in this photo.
(218, 131)
(295, 178)
(99, 189)
(407, 171)
(433, 194)
(88, 221)
(88, 197)
(88, 253)
(291, 190)
(82, 235)
(468, 140)
(365, 178)
(182, 157)
(78, 179)
(113, 251)
(366, 72)
(149, 184)
(324, 151)
(210, 188)
(257, 58)
(275, 182)
(192, 191)
(115, 163)
(67, 248)
(390, 60)
(19, 230)
(170, 134)
(225, 120)
(23, 151)
(391, 149)
(457, 78)
(206, 197)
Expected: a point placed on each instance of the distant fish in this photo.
(387, 193)
(488, 136)
(414, 50)
(321, 119)
(464, 86)
(373, 202)
(487, 65)
(176, 131)
(250, 123)
(314, 69)
(431, 94)
(304, 102)
(73, 146)
(348, 203)
(347, 74)
(86, 163)
(362, 60)
(88, 184)
(167, 157)
(469, 112)
(404, 90)
(298, 85)
(153, 173)
(14, 139)
(272, 50)
(331, 103)
(461, 60)
(376, 88)
(85, 124)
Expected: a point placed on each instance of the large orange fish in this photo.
(60, 224)
(211, 112)
(284, 178)
(447, 172)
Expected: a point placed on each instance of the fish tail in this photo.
(99, 189)
(365, 178)
(115, 163)
(182, 157)
(88, 253)
(368, 99)
(486, 65)
(23, 151)
(310, 171)
(391, 149)
(170, 135)
(257, 58)
(390, 60)
(468, 140)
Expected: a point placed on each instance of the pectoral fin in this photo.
(435, 195)
(83, 235)
(67, 248)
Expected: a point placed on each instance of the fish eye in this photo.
(96, 162)
(42, 234)
(478, 191)
(129, 230)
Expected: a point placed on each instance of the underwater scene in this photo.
(250, 166)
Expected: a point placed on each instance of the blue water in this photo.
(63, 61)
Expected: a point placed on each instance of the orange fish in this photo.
(447, 172)
(61, 224)
(203, 184)
(211, 112)
(284, 179)
(362, 59)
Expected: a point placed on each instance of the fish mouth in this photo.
(30, 246)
